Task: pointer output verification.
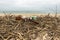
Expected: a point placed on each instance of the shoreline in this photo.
(29, 14)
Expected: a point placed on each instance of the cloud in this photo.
(7, 2)
(28, 4)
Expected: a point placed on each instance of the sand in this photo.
(29, 14)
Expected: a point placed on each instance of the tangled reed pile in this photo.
(18, 28)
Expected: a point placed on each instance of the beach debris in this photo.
(18, 17)
(33, 17)
(24, 17)
(29, 27)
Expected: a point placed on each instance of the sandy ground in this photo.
(29, 14)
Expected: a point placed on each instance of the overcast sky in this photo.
(34, 5)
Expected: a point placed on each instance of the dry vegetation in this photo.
(17, 28)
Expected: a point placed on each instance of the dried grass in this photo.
(29, 29)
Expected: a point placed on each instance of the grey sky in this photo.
(24, 5)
